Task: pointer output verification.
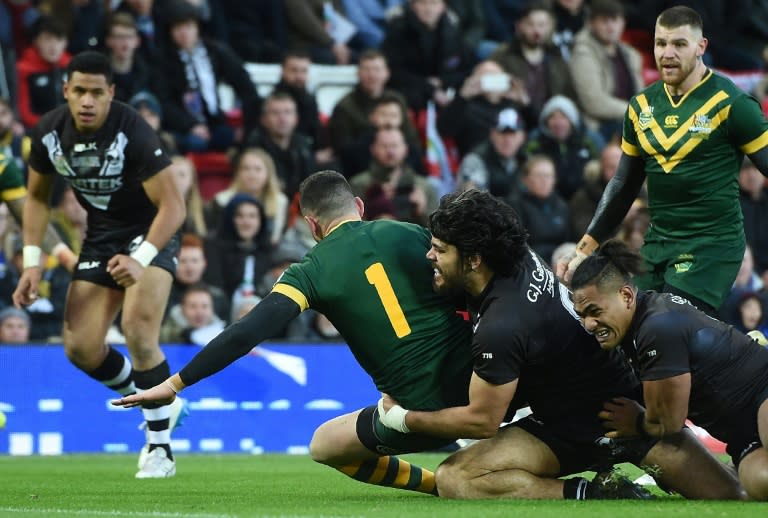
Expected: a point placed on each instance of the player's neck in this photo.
(694, 78)
(333, 225)
(477, 281)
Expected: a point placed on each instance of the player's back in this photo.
(374, 283)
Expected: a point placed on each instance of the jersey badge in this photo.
(645, 118)
(701, 126)
(684, 263)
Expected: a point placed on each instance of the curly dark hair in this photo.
(476, 222)
(613, 263)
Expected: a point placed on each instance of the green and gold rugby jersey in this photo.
(11, 179)
(693, 149)
(374, 283)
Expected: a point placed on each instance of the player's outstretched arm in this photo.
(267, 319)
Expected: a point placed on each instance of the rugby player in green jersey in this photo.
(374, 283)
(687, 135)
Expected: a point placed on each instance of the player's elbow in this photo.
(482, 426)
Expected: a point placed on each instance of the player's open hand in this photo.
(125, 270)
(26, 290)
(162, 394)
(620, 416)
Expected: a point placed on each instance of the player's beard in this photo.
(679, 75)
(450, 284)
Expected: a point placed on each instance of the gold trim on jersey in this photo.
(667, 142)
(292, 293)
(755, 145)
(340, 224)
(14, 194)
(674, 104)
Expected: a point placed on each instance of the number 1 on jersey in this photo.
(378, 277)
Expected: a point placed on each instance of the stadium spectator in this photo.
(386, 112)
(532, 58)
(150, 110)
(149, 22)
(238, 253)
(562, 136)
(131, 72)
(747, 281)
(390, 185)
(14, 326)
(192, 321)
(370, 19)
(255, 175)
(192, 265)
(500, 19)
(11, 133)
(425, 324)
(471, 17)
(191, 68)
(7, 57)
(753, 198)
(350, 116)
(291, 151)
(752, 313)
(293, 80)
(570, 17)
(691, 365)
(186, 181)
(426, 53)
(494, 165)
(606, 72)
(308, 30)
(597, 174)
(696, 239)
(542, 211)
(256, 30)
(138, 206)
(528, 345)
(470, 114)
(41, 71)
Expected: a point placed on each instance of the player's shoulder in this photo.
(52, 119)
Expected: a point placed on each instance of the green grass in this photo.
(276, 485)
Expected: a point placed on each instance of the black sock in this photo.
(115, 372)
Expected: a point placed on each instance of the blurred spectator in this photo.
(597, 174)
(7, 60)
(753, 197)
(186, 178)
(606, 72)
(471, 113)
(70, 219)
(532, 57)
(350, 116)
(494, 165)
(149, 108)
(570, 16)
(190, 270)
(471, 17)
(500, 19)
(563, 250)
(426, 52)
(293, 81)
(41, 70)
(390, 187)
(191, 69)
(370, 18)
(751, 311)
(255, 175)
(747, 281)
(82, 20)
(244, 307)
(147, 17)
(308, 30)
(635, 225)
(130, 71)
(11, 133)
(563, 137)
(14, 326)
(387, 112)
(238, 253)
(542, 211)
(256, 29)
(7, 230)
(193, 320)
(291, 151)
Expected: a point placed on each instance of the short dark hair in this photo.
(295, 54)
(121, 19)
(90, 62)
(476, 222)
(613, 263)
(48, 24)
(536, 5)
(606, 8)
(369, 54)
(326, 195)
(387, 97)
(680, 16)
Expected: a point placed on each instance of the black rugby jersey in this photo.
(105, 168)
(526, 328)
(669, 337)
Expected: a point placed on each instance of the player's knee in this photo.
(319, 448)
(756, 482)
(450, 480)
(84, 357)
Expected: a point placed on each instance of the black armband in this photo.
(267, 319)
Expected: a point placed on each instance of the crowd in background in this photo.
(527, 96)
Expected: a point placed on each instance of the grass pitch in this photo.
(209, 486)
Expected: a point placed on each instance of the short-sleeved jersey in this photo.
(11, 179)
(374, 283)
(669, 337)
(526, 328)
(693, 149)
(106, 168)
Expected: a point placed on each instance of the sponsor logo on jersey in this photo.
(82, 147)
(671, 121)
(88, 265)
(645, 118)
